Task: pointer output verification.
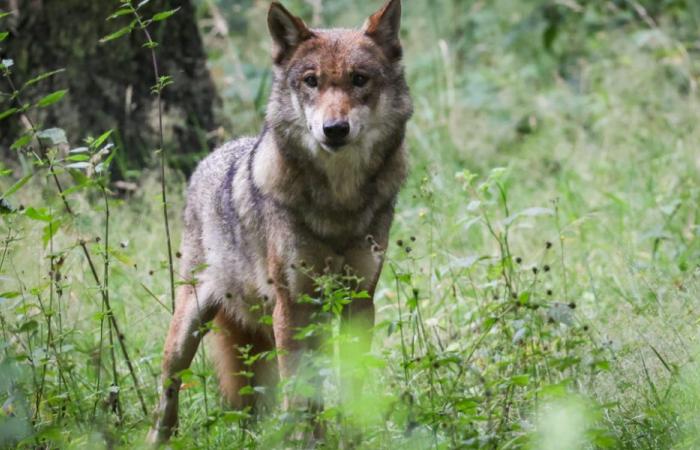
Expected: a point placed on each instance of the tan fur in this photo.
(227, 343)
(262, 214)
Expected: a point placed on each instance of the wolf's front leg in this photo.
(357, 324)
(194, 309)
(288, 316)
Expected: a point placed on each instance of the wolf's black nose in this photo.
(336, 129)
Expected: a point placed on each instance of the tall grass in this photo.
(541, 286)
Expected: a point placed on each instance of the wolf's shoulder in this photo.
(223, 156)
(216, 164)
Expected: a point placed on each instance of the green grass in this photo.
(549, 297)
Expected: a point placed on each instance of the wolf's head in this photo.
(339, 91)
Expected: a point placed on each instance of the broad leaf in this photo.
(52, 136)
(52, 98)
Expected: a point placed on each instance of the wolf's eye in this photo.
(311, 81)
(359, 80)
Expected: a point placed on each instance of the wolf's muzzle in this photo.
(336, 132)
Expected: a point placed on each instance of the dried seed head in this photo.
(549, 292)
(535, 270)
(399, 243)
(98, 239)
(518, 260)
(572, 305)
(413, 239)
(150, 272)
(546, 268)
(585, 328)
(178, 255)
(548, 245)
(408, 249)
(228, 295)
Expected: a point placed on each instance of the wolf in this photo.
(314, 192)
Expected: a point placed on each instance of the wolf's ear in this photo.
(287, 32)
(383, 27)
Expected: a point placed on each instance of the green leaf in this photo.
(121, 257)
(164, 15)
(121, 12)
(246, 390)
(52, 98)
(520, 380)
(8, 113)
(50, 231)
(43, 76)
(29, 326)
(52, 136)
(117, 34)
(9, 295)
(38, 214)
(17, 186)
(265, 320)
(78, 157)
(21, 142)
(100, 140)
(3, 35)
(4, 14)
(234, 416)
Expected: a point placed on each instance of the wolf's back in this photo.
(209, 178)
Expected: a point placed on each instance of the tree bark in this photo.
(110, 84)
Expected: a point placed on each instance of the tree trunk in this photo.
(110, 84)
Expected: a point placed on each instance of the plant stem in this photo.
(164, 198)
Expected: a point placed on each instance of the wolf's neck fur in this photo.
(337, 181)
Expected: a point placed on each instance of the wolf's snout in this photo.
(336, 130)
